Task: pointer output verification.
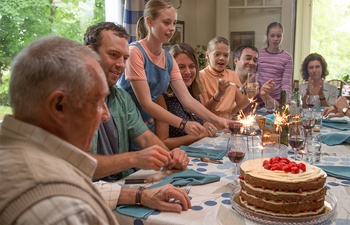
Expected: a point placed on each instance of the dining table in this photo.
(211, 202)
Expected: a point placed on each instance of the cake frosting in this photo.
(281, 193)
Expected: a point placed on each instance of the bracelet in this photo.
(182, 124)
(215, 99)
(138, 195)
(324, 98)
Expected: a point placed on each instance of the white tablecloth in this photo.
(211, 202)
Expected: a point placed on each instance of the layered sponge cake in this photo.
(281, 187)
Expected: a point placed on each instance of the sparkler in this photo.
(280, 120)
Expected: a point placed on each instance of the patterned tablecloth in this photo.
(211, 202)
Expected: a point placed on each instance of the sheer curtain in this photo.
(133, 10)
(125, 12)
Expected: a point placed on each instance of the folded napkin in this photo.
(340, 172)
(177, 179)
(139, 212)
(334, 138)
(336, 124)
(203, 152)
(187, 177)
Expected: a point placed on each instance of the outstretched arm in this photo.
(143, 95)
(156, 198)
(196, 107)
(162, 131)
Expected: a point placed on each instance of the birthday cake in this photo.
(280, 187)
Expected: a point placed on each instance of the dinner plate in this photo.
(261, 218)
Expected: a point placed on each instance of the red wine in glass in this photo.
(296, 142)
(310, 105)
(308, 123)
(310, 101)
(235, 156)
(235, 128)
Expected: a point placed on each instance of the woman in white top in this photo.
(314, 71)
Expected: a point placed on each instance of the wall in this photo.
(204, 19)
(199, 17)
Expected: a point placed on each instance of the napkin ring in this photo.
(138, 195)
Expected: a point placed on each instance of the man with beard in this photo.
(111, 146)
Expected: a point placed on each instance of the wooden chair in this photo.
(339, 83)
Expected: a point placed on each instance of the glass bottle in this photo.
(284, 112)
(295, 103)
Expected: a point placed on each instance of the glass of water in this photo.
(318, 120)
(313, 149)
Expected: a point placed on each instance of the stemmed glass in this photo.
(296, 138)
(235, 126)
(271, 106)
(252, 84)
(311, 101)
(308, 120)
(236, 151)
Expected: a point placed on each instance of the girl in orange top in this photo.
(218, 95)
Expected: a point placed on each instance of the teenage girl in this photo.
(274, 63)
(150, 69)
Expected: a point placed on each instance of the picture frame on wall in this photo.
(241, 38)
(178, 36)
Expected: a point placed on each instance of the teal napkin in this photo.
(187, 177)
(270, 118)
(136, 211)
(334, 138)
(340, 172)
(336, 124)
(177, 179)
(203, 152)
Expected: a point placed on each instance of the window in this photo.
(23, 21)
(330, 35)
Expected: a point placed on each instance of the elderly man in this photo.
(111, 145)
(57, 92)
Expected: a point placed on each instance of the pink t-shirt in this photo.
(135, 64)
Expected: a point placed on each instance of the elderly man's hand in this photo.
(179, 159)
(158, 198)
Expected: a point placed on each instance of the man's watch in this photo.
(344, 110)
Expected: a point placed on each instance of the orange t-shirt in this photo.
(210, 79)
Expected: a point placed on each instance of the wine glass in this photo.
(236, 150)
(296, 139)
(252, 87)
(271, 106)
(235, 126)
(308, 120)
(311, 101)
